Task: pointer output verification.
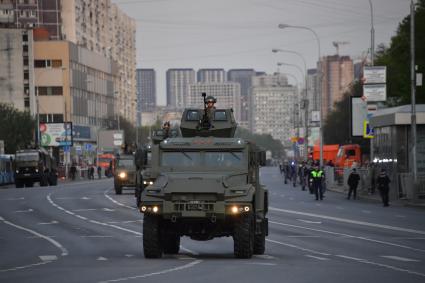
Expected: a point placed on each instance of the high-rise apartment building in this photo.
(146, 89)
(312, 90)
(17, 69)
(227, 95)
(97, 25)
(273, 105)
(337, 76)
(178, 81)
(244, 78)
(211, 76)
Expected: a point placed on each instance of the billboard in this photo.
(56, 134)
(110, 140)
(358, 116)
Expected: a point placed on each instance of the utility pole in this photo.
(413, 88)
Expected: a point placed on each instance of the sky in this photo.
(233, 34)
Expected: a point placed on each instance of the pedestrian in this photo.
(383, 184)
(99, 171)
(73, 171)
(353, 182)
(317, 176)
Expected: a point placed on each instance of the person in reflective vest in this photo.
(317, 176)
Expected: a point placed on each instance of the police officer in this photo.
(317, 176)
(383, 184)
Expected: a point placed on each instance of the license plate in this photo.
(194, 206)
(27, 174)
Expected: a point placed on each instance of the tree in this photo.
(16, 128)
(337, 127)
(397, 59)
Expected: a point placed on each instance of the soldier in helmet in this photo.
(166, 129)
(210, 100)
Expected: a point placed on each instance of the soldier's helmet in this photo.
(210, 98)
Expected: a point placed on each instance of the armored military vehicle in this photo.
(208, 186)
(125, 173)
(35, 165)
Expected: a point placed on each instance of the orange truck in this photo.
(341, 155)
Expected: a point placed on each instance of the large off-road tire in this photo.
(118, 189)
(43, 181)
(260, 241)
(243, 237)
(152, 247)
(171, 244)
(53, 179)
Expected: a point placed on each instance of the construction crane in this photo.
(337, 44)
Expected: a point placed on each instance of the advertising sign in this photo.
(358, 116)
(375, 75)
(315, 116)
(56, 134)
(110, 140)
(373, 93)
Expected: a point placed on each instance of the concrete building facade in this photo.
(178, 81)
(337, 76)
(227, 95)
(272, 104)
(17, 69)
(146, 89)
(244, 78)
(211, 76)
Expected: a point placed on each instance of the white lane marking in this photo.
(115, 201)
(309, 221)
(24, 211)
(381, 265)
(67, 198)
(108, 209)
(264, 256)
(339, 207)
(399, 258)
(101, 258)
(48, 257)
(48, 223)
(302, 236)
(25, 266)
(125, 222)
(96, 236)
(91, 221)
(409, 238)
(400, 216)
(186, 266)
(366, 211)
(64, 252)
(128, 255)
(84, 209)
(297, 247)
(22, 198)
(370, 224)
(348, 236)
(261, 263)
(317, 257)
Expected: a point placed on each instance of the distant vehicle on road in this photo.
(35, 165)
(125, 173)
(341, 155)
(107, 162)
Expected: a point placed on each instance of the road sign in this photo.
(89, 147)
(315, 116)
(374, 75)
(367, 130)
(66, 148)
(375, 92)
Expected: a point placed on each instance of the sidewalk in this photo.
(361, 194)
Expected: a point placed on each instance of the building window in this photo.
(50, 90)
(57, 118)
(47, 63)
(26, 75)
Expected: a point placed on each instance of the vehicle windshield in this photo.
(208, 159)
(125, 162)
(29, 156)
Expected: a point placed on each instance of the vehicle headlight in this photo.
(122, 175)
(150, 182)
(17, 171)
(36, 170)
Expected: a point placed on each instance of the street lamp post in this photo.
(319, 74)
(306, 95)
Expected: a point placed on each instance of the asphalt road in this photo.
(83, 232)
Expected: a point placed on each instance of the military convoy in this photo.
(206, 185)
(125, 173)
(35, 165)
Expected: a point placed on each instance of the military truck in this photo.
(35, 165)
(125, 173)
(208, 187)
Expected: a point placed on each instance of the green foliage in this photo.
(266, 141)
(16, 128)
(337, 127)
(397, 59)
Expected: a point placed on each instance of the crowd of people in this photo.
(311, 175)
